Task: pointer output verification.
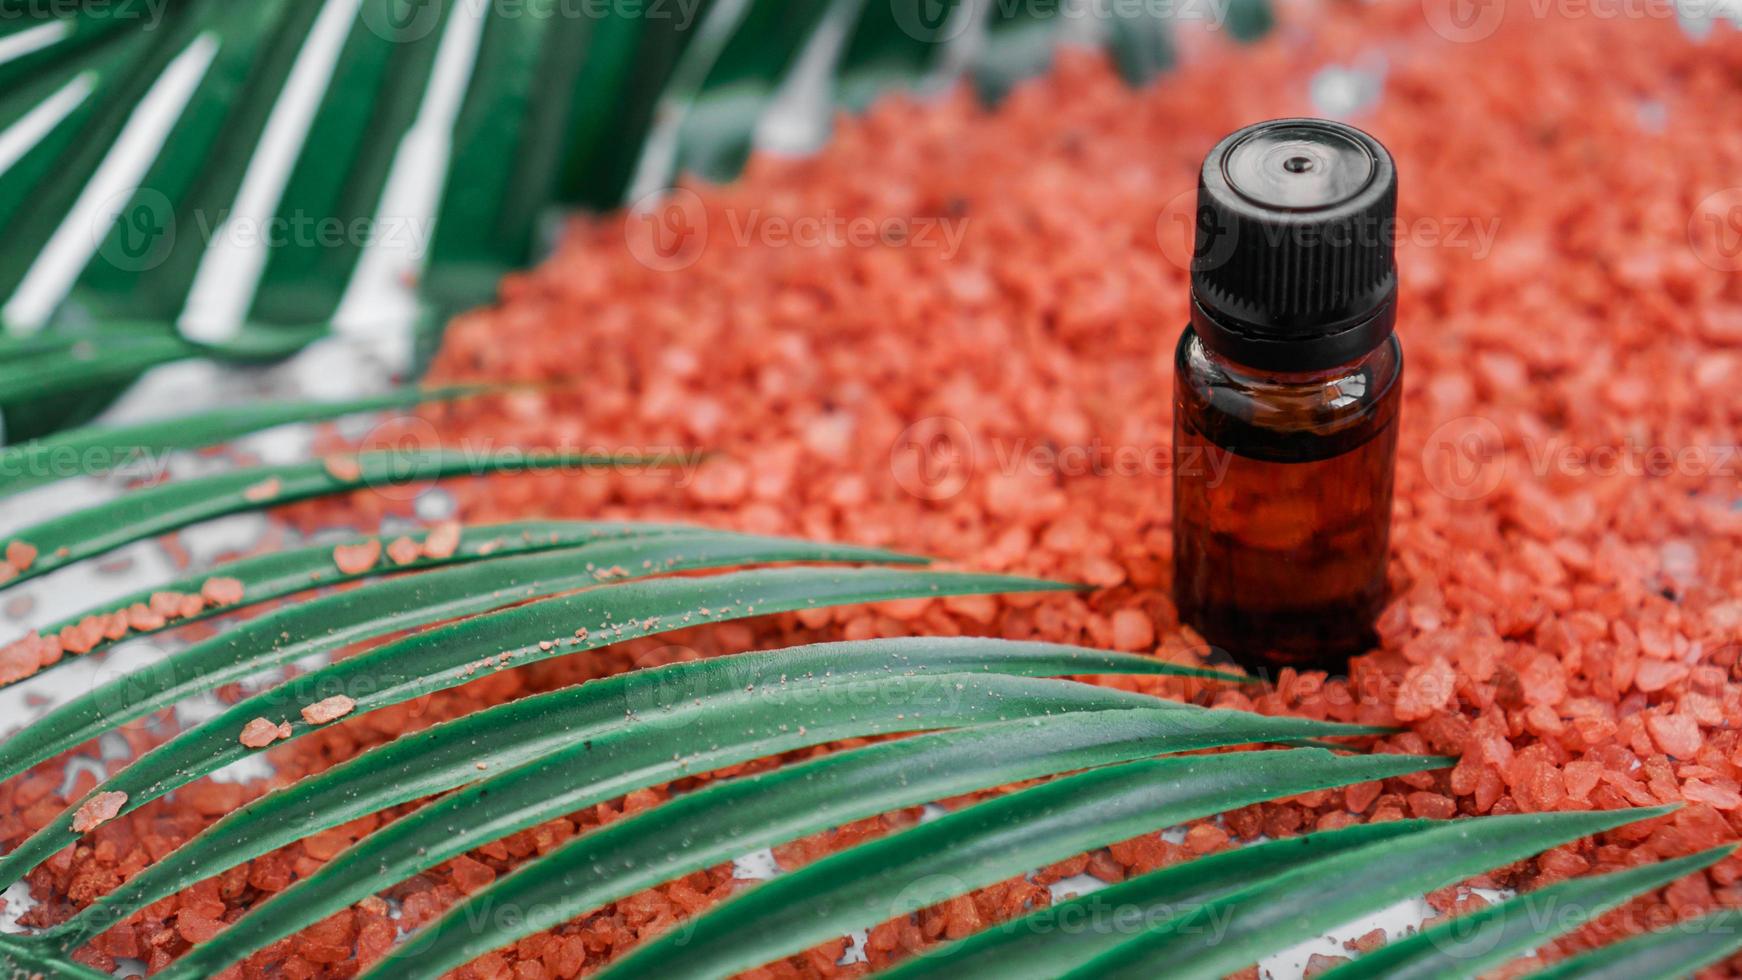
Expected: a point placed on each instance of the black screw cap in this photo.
(1293, 267)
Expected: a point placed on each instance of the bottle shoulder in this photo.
(1350, 401)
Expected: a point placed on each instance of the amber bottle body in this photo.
(1282, 504)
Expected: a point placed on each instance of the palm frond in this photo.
(1302, 903)
(1487, 937)
(1679, 950)
(727, 819)
(727, 729)
(971, 715)
(985, 844)
(278, 574)
(61, 541)
(95, 450)
(1050, 941)
(329, 623)
(449, 656)
(503, 98)
(948, 682)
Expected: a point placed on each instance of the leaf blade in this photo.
(448, 656)
(719, 822)
(40, 461)
(156, 510)
(1665, 954)
(461, 751)
(736, 726)
(1474, 942)
(281, 573)
(985, 844)
(1290, 908)
(1039, 946)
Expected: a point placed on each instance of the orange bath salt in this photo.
(260, 733)
(263, 491)
(404, 551)
(98, 810)
(20, 555)
(1555, 295)
(342, 467)
(355, 559)
(328, 709)
(221, 590)
(442, 541)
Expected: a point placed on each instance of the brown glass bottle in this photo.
(1286, 392)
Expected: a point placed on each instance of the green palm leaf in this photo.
(1228, 933)
(99, 449)
(282, 573)
(1472, 943)
(1051, 941)
(326, 624)
(64, 540)
(660, 700)
(1677, 951)
(728, 819)
(735, 727)
(451, 655)
(986, 844)
(522, 132)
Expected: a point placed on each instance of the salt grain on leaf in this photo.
(329, 709)
(263, 491)
(355, 559)
(260, 733)
(98, 810)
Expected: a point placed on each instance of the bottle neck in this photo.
(1328, 347)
